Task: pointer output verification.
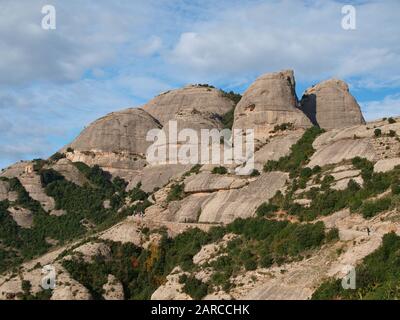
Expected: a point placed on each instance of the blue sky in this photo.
(105, 56)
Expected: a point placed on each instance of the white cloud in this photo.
(389, 106)
(150, 46)
(88, 35)
(270, 36)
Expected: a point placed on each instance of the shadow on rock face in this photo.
(309, 107)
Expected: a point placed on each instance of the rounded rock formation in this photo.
(123, 131)
(330, 105)
(269, 101)
(202, 98)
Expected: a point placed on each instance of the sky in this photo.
(109, 55)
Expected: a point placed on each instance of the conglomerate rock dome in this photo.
(123, 131)
(270, 100)
(203, 98)
(330, 105)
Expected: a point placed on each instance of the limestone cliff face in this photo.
(204, 99)
(330, 105)
(123, 131)
(269, 101)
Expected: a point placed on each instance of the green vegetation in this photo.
(176, 193)
(377, 278)
(299, 156)
(194, 287)
(48, 176)
(372, 208)
(57, 156)
(235, 97)
(283, 127)
(194, 170)
(81, 203)
(140, 271)
(259, 242)
(266, 210)
(391, 120)
(227, 118)
(325, 201)
(219, 170)
(254, 173)
(205, 85)
(262, 243)
(377, 132)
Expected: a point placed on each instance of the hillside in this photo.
(324, 195)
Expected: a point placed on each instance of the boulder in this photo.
(269, 101)
(330, 105)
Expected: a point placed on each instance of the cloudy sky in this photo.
(108, 55)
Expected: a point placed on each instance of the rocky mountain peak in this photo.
(202, 97)
(270, 100)
(330, 105)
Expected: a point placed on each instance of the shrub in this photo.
(332, 235)
(250, 264)
(391, 120)
(255, 173)
(377, 132)
(219, 170)
(235, 97)
(48, 176)
(195, 169)
(57, 156)
(306, 172)
(372, 208)
(137, 194)
(194, 287)
(266, 209)
(283, 127)
(266, 260)
(299, 156)
(316, 169)
(176, 192)
(395, 187)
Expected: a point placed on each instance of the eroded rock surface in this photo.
(226, 206)
(167, 105)
(342, 150)
(269, 101)
(123, 131)
(330, 105)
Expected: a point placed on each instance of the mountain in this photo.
(324, 195)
